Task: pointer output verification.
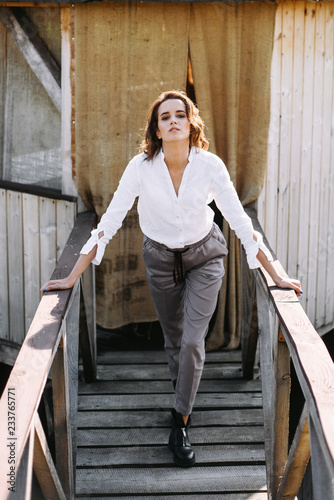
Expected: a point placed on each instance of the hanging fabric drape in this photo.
(230, 50)
(126, 54)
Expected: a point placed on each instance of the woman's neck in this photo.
(176, 154)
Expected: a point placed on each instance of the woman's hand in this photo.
(279, 280)
(61, 284)
(289, 283)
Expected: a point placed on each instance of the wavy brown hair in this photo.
(151, 145)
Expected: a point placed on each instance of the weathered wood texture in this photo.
(124, 423)
(55, 322)
(30, 124)
(296, 206)
(280, 310)
(33, 233)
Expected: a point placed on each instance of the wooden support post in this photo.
(321, 465)
(35, 52)
(249, 324)
(23, 481)
(298, 459)
(281, 423)
(44, 467)
(88, 324)
(62, 425)
(268, 324)
(72, 341)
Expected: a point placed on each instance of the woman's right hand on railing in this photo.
(61, 284)
(81, 265)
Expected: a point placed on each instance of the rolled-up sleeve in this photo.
(228, 202)
(111, 221)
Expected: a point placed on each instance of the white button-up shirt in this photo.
(177, 220)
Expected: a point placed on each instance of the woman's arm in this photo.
(279, 280)
(80, 266)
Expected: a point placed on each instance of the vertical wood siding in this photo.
(33, 233)
(296, 206)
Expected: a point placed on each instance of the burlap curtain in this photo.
(125, 54)
(230, 50)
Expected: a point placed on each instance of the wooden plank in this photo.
(108, 357)
(283, 185)
(249, 330)
(88, 345)
(281, 412)
(316, 379)
(32, 281)
(72, 345)
(35, 53)
(325, 286)
(45, 192)
(295, 217)
(147, 372)
(161, 455)
(165, 387)
(4, 299)
(140, 437)
(171, 480)
(15, 267)
(44, 467)
(258, 495)
(299, 455)
(68, 186)
(48, 243)
(36, 354)
(306, 156)
(23, 481)
(65, 217)
(314, 201)
(268, 329)
(145, 418)
(270, 217)
(62, 417)
(322, 468)
(143, 401)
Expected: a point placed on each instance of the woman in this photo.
(175, 178)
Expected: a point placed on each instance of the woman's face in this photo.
(173, 123)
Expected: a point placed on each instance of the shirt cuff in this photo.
(92, 242)
(253, 250)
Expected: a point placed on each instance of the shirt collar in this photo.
(190, 157)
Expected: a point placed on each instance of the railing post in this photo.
(88, 324)
(321, 465)
(275, 376)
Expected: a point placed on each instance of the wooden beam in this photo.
(62, 424)
(298, 459)
(282, 407)
(38, 349)
(34, 51)
(88, 325)
(44, 467)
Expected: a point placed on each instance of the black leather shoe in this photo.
(179, 442)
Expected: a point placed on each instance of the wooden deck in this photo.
(124, 424)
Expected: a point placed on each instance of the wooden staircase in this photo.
(124, 423)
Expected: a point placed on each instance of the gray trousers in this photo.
(185, 306)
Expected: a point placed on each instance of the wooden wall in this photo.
(33, 233)
(296, 207)
(30, 124)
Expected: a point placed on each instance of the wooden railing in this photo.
(52, 342)
(286, 335)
